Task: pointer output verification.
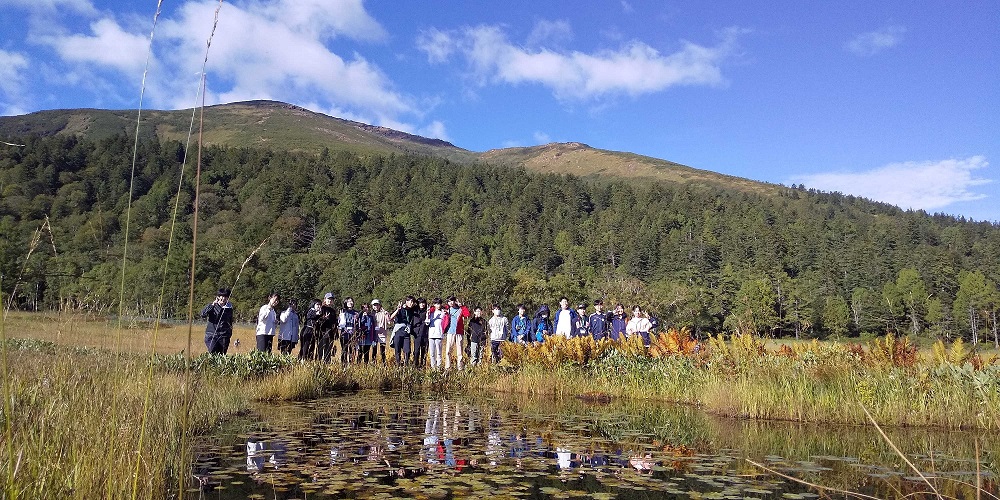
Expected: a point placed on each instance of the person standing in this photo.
(499, 332)
(347, 323)
(219, 329)
(435, 333)
(477, 335)
(617, 322)
(520, 326)
(582, 327)
(418, 333)
(598, 322)
(366, 335)
(402, 320)
(639, 324)
(565, 319)
(381, 328)
(326, 329)
(267, 323)
(455, 331)
(288, 329)
(541, 326)
(307, 338)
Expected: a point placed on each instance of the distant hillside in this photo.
(244, 124)
(284, 126)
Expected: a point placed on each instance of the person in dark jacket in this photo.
(598, 323)
(418, 331)
(307, 337)
(347, 323)
(541, 326)
(617, 322)
(219, 329)
(402, 322)
(326, 331)
(477, 335)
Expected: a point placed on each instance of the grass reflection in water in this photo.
(390, 445)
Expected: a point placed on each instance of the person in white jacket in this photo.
(499, 332)
(267, 323)
(288, 330)
(639, 324)
(434, 332)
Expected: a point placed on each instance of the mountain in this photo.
(285, 126)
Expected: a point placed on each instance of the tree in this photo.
(912, 293)
(836, 317)
(754, 307)
(974, 297)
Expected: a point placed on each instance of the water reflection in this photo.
(372, 444)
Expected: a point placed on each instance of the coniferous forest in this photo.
(795, 263)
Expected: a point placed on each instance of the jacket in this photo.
(541, 326)
(598, 324)
(434, 321)
(574, 319)
(520, 329)
(289, 327)
(347, 322)
(477, 330)
(220, 319)
(267, 321)
(460, 318)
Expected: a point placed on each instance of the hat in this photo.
(376, 301)
(224, 292)
(581, 306)
(329, 295)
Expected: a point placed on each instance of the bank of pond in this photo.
(723, 418)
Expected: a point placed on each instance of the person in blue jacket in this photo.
(541, 326)
(520, 326)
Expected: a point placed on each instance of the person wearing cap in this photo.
(582, 327)
(219, 329)
(267, 323)
(381, 328)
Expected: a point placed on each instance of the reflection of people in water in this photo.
(642, 463)
(256, 454)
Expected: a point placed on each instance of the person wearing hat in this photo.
(219, 329)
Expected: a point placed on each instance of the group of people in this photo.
(417, 331)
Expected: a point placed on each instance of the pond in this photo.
(373, 444)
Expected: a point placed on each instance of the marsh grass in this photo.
(66, 445)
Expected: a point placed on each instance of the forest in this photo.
(796, 263)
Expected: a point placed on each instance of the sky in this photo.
(896, 101)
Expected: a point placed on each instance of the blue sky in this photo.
(892, 100)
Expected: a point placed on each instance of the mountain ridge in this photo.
(275, 124)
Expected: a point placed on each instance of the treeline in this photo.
(795, 263)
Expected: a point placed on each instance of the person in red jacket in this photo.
(455, 331)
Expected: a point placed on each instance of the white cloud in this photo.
(437, 44)
(262, 49)
(554, 32)
(634, 69)
(435, 129)
(79, 6)
(873, 42)
(12, 67)
(927, 185)
(109, 45)
(542, 138)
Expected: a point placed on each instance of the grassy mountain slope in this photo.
(284, 126)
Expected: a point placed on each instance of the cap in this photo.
(224, 292)
(581, 306)
(329, 295)
(376, 301)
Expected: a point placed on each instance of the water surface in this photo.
(373, 444)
